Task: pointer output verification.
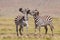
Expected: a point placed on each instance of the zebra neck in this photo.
(26, 17)
(36, 18)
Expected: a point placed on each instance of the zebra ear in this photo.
(20, 9)
(37, 13)
(28, 11)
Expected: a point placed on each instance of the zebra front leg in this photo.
(17, 29)
(35, 29)
(27, 30)
(46, 29)
(39, 30)
(27, 27)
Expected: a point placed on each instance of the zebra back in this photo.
(47, 18)
(19, 18)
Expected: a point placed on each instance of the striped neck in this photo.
(26, 16)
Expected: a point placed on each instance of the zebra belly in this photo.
(25, 23)
(40, 22)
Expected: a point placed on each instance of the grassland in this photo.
(7, 30)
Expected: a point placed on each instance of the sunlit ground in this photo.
(8, 30)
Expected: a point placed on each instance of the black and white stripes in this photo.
(39, 20)
(42, 21)
(20, 21)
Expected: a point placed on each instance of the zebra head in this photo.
(27, 10)
(34, 13)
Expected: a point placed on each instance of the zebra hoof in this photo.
(17, 35)
(52, 34)
(21, 34)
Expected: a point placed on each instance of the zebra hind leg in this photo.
(20, 30)
(46, 29)
(39, 30)
(51, 27)
(17, 29)
(52, 30)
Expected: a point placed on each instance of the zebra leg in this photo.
(17, 29)
(39, 30)
(46, 29)
(51, 27)
(27, 27)
(20, 29)
(35, 29)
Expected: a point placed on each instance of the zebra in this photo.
(22, 20)
(41, 21)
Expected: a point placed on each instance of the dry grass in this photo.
(7, 30)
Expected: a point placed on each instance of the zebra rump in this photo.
(20, 21)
